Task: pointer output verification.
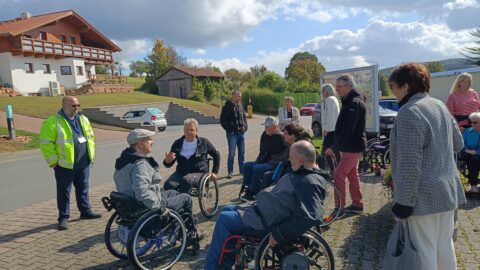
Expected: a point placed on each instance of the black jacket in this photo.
(233, 118)
(271, 148)
(350, 127)
(198, 162)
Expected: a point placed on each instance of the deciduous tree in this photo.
(304, 67)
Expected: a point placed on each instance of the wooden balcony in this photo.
(47, 49)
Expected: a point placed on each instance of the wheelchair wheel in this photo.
(330, 215)
(158, 241)
(208, 196)
(116, 236)
(310, 251)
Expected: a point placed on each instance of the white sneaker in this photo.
(473, 189)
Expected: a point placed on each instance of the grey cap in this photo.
(270, 121)
(138, 135)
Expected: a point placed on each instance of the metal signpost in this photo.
(10, 124)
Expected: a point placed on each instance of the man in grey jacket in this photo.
(287, 209)
(138, 175)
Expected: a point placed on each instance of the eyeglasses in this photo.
(76, 105)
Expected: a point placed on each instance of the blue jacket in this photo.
(471, 139)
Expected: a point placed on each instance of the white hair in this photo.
(189, 121)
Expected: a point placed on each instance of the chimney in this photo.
(25, 15)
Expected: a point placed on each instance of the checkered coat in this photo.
(423, 141)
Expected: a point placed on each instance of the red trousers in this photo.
(348, 168)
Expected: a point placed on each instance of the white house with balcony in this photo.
(38, 54)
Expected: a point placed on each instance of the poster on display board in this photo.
(366, 80)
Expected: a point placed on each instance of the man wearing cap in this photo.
(68, 145)
(272, 147)
(138, 175)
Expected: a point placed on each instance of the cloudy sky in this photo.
(241, 33)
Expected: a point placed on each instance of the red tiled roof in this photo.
(199, 72)
(18, 26)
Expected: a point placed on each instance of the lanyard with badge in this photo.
(75, 126)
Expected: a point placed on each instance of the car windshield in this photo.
(155, 111)
(310, 105)
(392, 105)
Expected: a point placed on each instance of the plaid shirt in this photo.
(423, 142)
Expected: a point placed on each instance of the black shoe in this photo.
(354, 209)
(63, 224)
(249, 196)
(90, 215)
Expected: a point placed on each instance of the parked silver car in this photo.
(148, 117)
(317, 121)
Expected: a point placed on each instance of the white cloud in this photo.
(223, 64)
(200, 51)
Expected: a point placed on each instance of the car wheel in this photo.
(162, 129)
(317, 129)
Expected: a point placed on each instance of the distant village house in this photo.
(177, 81)
(39, 53)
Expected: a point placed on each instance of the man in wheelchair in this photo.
(287, 210)
(137, 175)
(191, 154)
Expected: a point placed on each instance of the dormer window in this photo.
(72, 40)
(42, 36)
(63, 38)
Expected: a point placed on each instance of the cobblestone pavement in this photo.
(29, 239)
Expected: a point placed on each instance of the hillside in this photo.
(448, 64)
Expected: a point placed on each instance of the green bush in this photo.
(266, 101)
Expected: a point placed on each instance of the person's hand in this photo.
(399, 220)
(169, 157)
(213, 176)
(329, 152)
(324, 133)
(271, 241)
(471, 152)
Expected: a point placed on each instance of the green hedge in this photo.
(266, 101)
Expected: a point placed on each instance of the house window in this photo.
(27, 36)
(66, 70)
(43, 36)
(72, 40)
(63, 38)
(29, 67)
(79, 70)
(46, 69)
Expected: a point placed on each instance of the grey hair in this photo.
(236, 93)
(288, 98)
(189, 121)
(306, 150)
(475, 116)
(329, 89)
(347, 79)
(460, 78)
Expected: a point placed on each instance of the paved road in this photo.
(25, 179)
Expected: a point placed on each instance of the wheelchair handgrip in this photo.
(107, 203)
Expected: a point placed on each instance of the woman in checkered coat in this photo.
(427, 187)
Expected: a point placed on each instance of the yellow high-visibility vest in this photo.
(56, 140)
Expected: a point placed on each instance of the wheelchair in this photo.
(376, 156)
(148, 238)
(309, 251)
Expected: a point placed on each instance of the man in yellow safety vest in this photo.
(67, 143)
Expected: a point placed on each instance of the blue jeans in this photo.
(228, 223)
(235, 140)
(65, 178)
(253, 173)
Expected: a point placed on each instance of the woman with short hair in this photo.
(330, 109)
(427, 187)
(463, 100)
(288, 114)
(471, 152)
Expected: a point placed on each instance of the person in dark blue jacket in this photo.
(287, 210)
(471, 152)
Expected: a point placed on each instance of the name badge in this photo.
(81, 139)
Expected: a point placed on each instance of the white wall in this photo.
(38, 81)
(440, 86)
(5, 73)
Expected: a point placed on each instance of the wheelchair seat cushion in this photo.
(254, 233)
(380, 148)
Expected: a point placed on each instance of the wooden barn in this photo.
(177, 81)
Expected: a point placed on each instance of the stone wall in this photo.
(89, 89)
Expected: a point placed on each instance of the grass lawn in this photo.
(44, 106)
(318, 141)
(137, 82)
(8, 146)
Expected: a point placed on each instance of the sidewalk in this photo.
(29, 239)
